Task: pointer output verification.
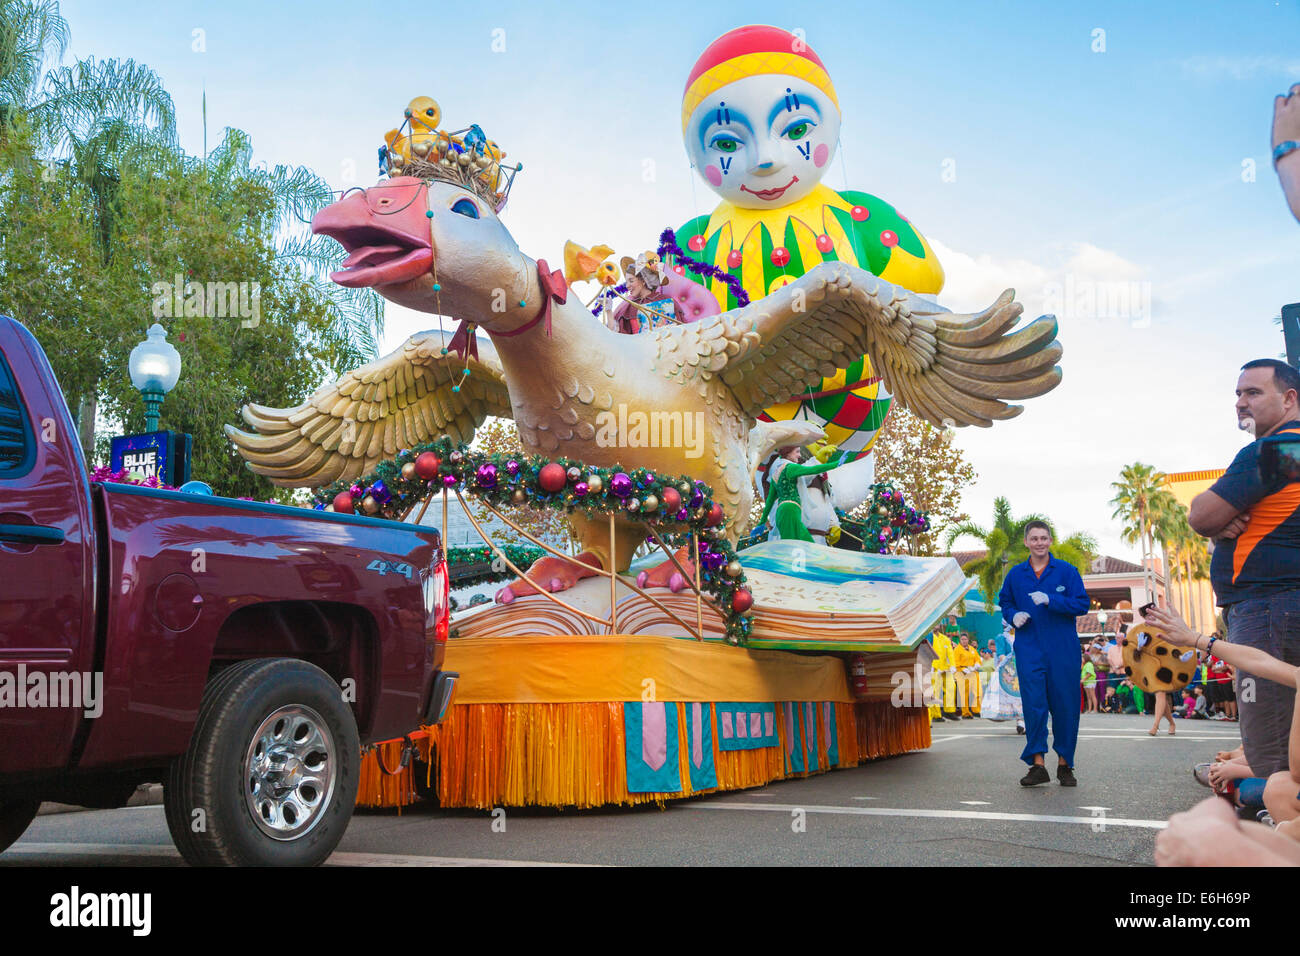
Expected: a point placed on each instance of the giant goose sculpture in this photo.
(563, 376)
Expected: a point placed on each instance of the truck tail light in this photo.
(443, 624)
(437, 602)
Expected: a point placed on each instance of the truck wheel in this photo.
(270, 777)
(15, 816)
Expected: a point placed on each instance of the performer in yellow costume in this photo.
(967, 661)
(941, 677)
(761, 121)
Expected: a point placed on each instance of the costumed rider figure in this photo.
(799, 505)
(647, 305)
(1041, 598)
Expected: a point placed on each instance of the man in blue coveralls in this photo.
(1041, 598)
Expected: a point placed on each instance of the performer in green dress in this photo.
(783, 494)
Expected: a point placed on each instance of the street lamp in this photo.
(155, 365)
(1101, 621)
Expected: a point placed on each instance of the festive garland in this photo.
(888, 520)
(467, 557)
(675, 507)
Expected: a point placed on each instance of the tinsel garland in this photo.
(668, 247)
(564, 484)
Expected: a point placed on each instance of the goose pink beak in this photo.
(385, 230)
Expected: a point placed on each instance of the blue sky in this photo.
(1075, 167)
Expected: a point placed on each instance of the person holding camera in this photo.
(1255, 569)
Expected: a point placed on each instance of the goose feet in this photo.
(552, 573)
(666, 575)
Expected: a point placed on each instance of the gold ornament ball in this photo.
(329, 507)
(370, 505)
(408, 471)
(518, 497)
(594, 484)
(734, 569)
(685, 488)
(651, 503)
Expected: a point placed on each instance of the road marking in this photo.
(866, 798)
(150, 850)
(1113, 736)
(941, 814)
(978, 803)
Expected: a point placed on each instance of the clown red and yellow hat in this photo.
(753, 51)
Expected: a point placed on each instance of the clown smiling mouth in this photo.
(770, 194)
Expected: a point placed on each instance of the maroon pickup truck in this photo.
(239, 653)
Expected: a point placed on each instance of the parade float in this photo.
(657, 660)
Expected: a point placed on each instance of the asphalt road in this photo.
(958, 803)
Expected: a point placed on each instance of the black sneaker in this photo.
(1065, 776)
(1037, 774)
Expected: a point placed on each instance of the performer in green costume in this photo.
(783, 476)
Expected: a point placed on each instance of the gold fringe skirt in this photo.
(573, 755)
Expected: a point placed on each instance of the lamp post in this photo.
(1101, 622)
(154, 365)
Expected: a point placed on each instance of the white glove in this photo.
(1019, 618)
(1038, 597)
(952, 670)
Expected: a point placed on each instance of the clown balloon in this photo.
(761, 121)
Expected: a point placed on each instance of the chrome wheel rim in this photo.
(290, 771)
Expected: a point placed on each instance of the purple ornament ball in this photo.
(512, 468)
(580, 489)
(621, 485)
(486, 475)
(449, 480)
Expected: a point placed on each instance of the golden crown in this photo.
(465, 157)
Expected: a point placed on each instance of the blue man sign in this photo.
(164, 455)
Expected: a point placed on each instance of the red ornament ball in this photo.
(742, 601)
(734, 259)
(552, 477)
(343, 503)
(680, 270)
(825, 243)
(715, 516)
(672, 500)
(696, 243)
(889, 238)
(780, 256)
(427, 465)
(860, 213)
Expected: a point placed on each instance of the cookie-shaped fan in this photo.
(1153, 663)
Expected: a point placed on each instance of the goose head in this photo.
(435, 247)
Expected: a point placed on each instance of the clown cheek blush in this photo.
(821, 154)
(713, 175)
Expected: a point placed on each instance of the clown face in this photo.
(763, 141)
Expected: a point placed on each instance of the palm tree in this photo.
(1144, 504)
(1004, 544)
(93, 119)
(1189, 560)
